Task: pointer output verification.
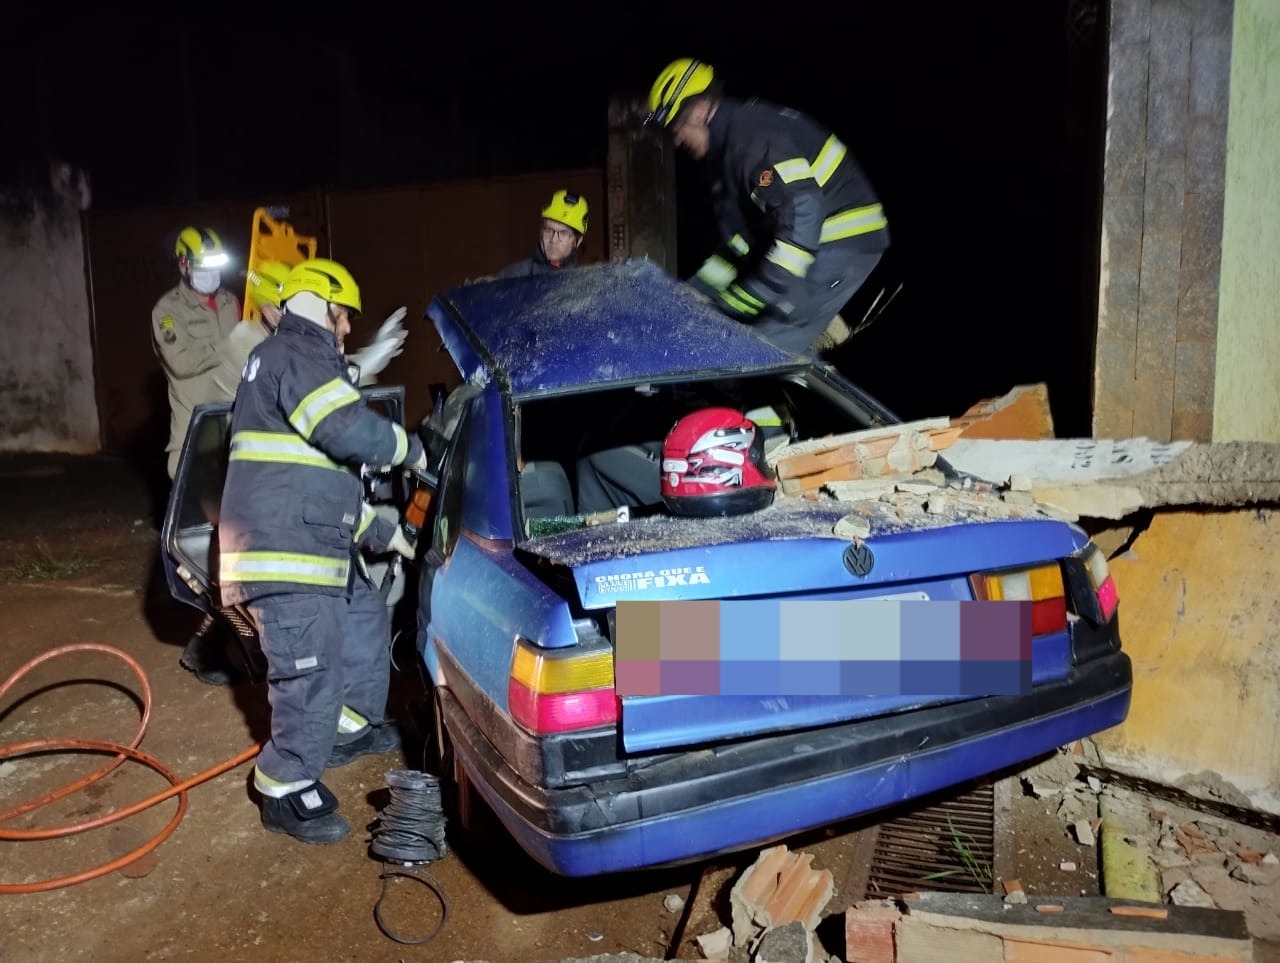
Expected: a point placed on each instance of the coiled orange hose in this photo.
(121, 753)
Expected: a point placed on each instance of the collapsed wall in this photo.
(1191, 531)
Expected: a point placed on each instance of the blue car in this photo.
(549, 513)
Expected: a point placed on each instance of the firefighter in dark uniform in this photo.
(801, 227)
(293, 520)
(564, 225)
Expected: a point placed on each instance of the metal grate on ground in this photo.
(957, 844)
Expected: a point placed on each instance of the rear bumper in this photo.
(696, 804)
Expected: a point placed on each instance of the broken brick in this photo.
(780, 886)
(1250, 855)
(868, 932)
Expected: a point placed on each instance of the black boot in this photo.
(309, 815)
(205, 654)
(373, 741)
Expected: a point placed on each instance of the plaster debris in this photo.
(853, 526)
(1253, 875)
(1189, 893)
(673, 903)
(938, 504)
(716, 944)
(1014, 894)
(1083, 832)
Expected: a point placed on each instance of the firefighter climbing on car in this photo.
(801, 225)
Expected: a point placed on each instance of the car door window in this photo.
(448, 521)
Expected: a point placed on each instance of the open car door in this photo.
(190, 531)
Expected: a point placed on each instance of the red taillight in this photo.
(562, 711)
(1104, 584)
(1041, 586)
(1048, 615)
(562, 690)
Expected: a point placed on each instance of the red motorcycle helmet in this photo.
(713, 464)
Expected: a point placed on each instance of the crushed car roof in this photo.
(617, 323)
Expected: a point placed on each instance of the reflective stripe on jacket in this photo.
(790, 201)
(292, 505)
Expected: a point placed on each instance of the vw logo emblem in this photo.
(858, 558)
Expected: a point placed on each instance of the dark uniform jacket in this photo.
(293, 512)
(791, 204)
(538, 264)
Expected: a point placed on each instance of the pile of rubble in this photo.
(1009, 443)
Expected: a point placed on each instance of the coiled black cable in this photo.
(411, 827)
(410, 830)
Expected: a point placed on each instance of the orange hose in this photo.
(177, 787)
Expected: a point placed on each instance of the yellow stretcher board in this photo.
(272, 240)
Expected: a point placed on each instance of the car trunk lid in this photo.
(789, 551)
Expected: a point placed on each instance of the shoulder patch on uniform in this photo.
(166, 323)
(766, 177)
(169, 335)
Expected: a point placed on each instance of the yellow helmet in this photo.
(327, 279)
(199, 247)
(266, 281)
(569, 209)
(680, 80)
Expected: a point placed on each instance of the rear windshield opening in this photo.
(597, 452)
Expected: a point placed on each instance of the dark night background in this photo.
(980, 125)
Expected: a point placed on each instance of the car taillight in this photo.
(1041, 586)
(559, 690)
(1103, 582)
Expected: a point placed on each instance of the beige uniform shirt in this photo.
(189, 338)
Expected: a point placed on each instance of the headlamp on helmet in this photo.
(199, 248)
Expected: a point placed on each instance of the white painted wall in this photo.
(47, 401)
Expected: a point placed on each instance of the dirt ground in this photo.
(78, 553)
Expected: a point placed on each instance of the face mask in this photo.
(205, 281)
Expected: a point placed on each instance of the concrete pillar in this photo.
(1163, 188)
(641, 183)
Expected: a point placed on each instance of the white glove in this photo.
(402, 545)
(386, 344)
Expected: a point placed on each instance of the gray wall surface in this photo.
(47, 401)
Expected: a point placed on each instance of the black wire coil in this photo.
(409, 831)
(411, 827)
